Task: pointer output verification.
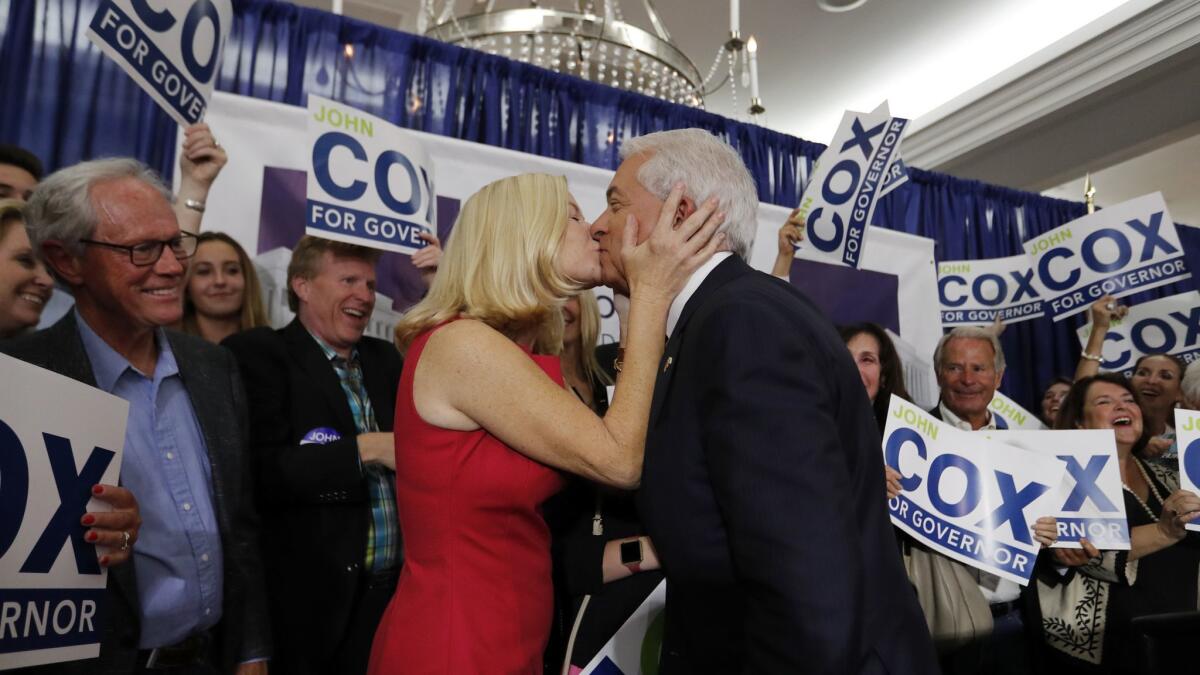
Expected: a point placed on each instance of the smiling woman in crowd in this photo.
(25, 285)
(1052, 399)
(223, 295)
(1086, 612)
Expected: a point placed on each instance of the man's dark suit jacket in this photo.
(211, 379)
(313, 497)
(763, 491)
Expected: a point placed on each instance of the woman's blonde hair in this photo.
(589, 336)
(498, 265)
(253, 313)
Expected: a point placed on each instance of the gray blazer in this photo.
(211, 379)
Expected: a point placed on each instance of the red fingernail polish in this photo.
(88, 519)
(97, 489)
(90, 536)
(104, 561)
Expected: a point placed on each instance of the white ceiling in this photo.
(924, 56)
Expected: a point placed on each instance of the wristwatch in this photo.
(631, 555)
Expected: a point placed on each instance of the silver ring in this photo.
(125, 542)
(1112, 306)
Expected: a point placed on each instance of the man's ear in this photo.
(300, 287)
(687, 206)
(65, 266)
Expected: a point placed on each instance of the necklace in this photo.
(1149, 484)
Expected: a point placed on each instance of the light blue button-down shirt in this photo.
(177, 560)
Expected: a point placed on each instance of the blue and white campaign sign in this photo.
(847, 181)
(1121, 250)
(370, 182)
(967, 496)
(1187, 436)
(172, 51)
(977, 292)
(635, 648)
(1010, 415)
(1169, 325)
(1094, 507)
(58, 438)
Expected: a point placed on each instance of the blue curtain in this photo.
(66, 102)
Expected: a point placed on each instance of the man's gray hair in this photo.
(1190, 386)
(708, 167)
(969, 333)
(61, 209)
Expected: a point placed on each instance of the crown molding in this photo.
(1045, 83)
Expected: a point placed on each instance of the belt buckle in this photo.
(181, 654)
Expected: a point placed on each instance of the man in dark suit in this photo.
(193, 599)
(762, 487)
(322, 398)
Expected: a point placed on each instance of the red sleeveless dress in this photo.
(475, 594)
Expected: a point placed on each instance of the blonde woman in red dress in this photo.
(484, 425)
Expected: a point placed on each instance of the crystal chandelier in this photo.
(592, 39)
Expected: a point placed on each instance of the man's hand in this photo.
(377, 447)
(427, 259)
(115, 530)
(201, 158)
(1074, 557)
(1104, 311)
(1156, 447)
(892, 477)
(1045, 531)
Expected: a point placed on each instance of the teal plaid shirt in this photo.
(382, 528)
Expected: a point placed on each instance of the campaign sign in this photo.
(967, 496)
(1010, 415)
(1169, 325)
(370, 182)
(58, 438)
(1187, 436)
(1094, 506)
(172, 52)
(635, 648)
(847, 182)
(1121, 250)
(977, 292)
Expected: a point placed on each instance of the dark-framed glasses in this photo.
(147, 253)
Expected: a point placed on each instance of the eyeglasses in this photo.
(148, 252)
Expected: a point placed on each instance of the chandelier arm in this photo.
(656, 21)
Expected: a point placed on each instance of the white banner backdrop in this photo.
(266, 140)
(58, 438)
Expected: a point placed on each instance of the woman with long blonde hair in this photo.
(487, 423)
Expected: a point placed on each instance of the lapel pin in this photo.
(668, 363)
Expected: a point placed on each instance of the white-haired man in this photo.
(192, 602)
(761, 479)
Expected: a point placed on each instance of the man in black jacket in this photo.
(762, 483)
(322, 397)
(193, 598)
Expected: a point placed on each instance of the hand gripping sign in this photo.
(966, 496)
(848, 180)
(1168, 325)
(977, 292)
(1187, 436)
(1094, 506)
(1121, 250)
(172, 51)
(58, 438)
(370, 182)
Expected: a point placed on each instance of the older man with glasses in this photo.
(193, 601)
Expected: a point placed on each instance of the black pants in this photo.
(373, 598)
